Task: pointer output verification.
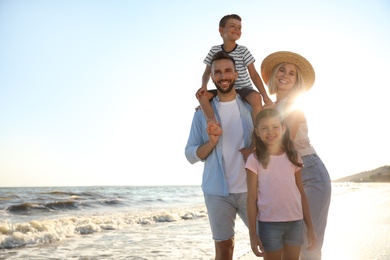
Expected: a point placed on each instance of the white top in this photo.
(233, 141)
(301, 141)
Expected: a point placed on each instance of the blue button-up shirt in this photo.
(214, 181)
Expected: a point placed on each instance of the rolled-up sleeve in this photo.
(195, 139)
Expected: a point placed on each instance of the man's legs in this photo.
(224, 249)
(222, 211)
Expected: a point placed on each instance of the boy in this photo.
(230, 31)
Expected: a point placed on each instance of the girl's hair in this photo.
(299, 83)
(261, 151)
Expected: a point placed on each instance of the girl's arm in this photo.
(311, 236)
(251, 207)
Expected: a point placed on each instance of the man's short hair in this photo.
(222, 55)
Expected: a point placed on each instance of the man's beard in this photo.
(227, 90)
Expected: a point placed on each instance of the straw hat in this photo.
(276, 58)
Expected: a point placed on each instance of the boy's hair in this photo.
(224, 19)
(222, 55)
(287, 145)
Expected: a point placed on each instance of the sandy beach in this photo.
(358, 224)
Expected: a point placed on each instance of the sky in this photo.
(97, 92)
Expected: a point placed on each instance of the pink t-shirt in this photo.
(278, 198)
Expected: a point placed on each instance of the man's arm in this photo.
(197, 147)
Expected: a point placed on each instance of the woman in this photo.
(287, 75)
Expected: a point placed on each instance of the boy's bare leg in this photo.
(213, 127)
(224, 249)
(255, 100)
(206, 106)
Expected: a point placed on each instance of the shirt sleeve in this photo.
(211, 53)
(248, 57)
(252, 163)
(195, 139)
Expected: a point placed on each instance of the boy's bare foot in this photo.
(213, 127)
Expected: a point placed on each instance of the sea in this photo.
(165, 222)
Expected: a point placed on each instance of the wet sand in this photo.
(358, 224)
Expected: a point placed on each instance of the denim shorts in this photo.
(274, 235)
(222, 212)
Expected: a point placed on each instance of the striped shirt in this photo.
(242, 57)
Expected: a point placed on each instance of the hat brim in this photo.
(276, 58)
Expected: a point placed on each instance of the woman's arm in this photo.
(293, 120)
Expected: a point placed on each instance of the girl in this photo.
(288, 75)
(276, 198)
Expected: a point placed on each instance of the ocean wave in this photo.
(9, 197)
(46, 231)
(28, 208)
(68, 193)
(25, 208)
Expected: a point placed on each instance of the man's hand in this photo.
(246, 152)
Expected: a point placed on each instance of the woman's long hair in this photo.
(261, 151)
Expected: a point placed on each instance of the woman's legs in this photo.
(317, 185)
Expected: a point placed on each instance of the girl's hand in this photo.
(257, 246)
(312, 239)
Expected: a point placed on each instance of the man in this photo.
(224, 176)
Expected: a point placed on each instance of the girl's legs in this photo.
(273, 255)
(291, 252)
(287, 253)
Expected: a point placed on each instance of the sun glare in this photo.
(302, 102)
